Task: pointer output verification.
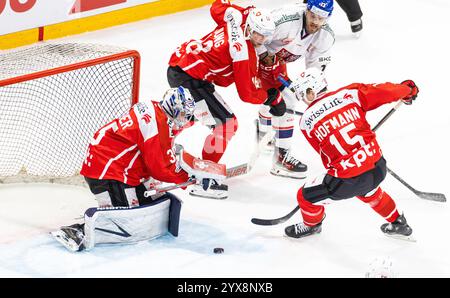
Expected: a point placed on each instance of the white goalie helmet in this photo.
(260, 20)
(313, 79)
(179, 105)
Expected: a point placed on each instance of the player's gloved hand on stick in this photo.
(270, 68)
(414, 91)
(276, 102)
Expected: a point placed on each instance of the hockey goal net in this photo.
(53, 98)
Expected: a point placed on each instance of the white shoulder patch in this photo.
(233, 13)
(146, 118)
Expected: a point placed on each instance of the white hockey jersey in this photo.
(291, 41)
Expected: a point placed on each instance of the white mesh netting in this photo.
(46, 123)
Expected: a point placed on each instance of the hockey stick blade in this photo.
(276, 221)
(431, 196)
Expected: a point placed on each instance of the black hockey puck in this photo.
(218, 250)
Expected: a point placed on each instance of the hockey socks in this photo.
(382, 203)
(312, 214)
(216, 143)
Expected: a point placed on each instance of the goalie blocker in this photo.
(123, 224)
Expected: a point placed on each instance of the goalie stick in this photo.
(158, 190)
(438, 197)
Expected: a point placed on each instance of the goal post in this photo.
(53, 98)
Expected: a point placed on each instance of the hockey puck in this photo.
(218, 250)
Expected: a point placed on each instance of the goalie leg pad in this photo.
(132, 224)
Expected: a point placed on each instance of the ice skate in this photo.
(301, 230)
(286, 165)
(214, 191)
(398, 229)
(71, 237)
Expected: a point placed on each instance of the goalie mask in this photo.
(311, 84)
(259, 26)
(178, 104)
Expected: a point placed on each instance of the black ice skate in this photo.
(214, 191)
(286, 165)
(72, 237)
(398, 229)
(301, 230)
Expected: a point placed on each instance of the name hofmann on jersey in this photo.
(322, 109)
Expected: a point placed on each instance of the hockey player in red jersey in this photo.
(124, 154)
(336, 127)
(226, 55)
(300, 32)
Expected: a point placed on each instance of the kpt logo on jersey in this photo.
(87, 5)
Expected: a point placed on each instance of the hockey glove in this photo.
(413, 94)
(276, 102)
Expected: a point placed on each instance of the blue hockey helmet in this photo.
(323, 8)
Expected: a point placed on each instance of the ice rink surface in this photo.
(403, 39)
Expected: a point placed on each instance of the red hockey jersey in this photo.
(135, 146)
(223, 57)
(336, 126)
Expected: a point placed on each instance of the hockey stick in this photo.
(272, 222)
(155, 191)
(288, 85)
(294, 112)
(437, 197)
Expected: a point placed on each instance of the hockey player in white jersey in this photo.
(301, 32)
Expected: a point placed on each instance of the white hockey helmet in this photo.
(311, 79)
(260, 20)
(179, 105)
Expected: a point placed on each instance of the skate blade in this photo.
(356, 35)
(402, 237)
(208, 196)
(69, 244)
(300, 238)
(301, 175)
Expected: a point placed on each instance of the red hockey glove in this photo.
(276, 102)
(414, 91)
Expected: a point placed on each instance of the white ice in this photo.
(403, 39)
